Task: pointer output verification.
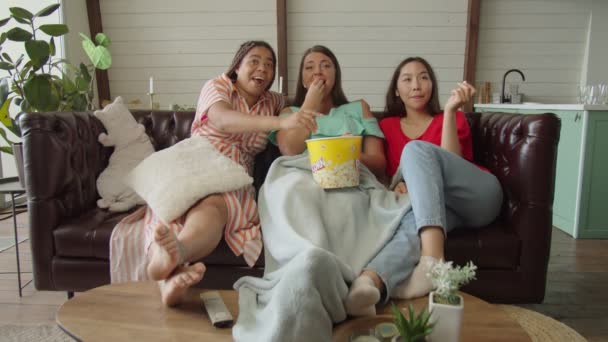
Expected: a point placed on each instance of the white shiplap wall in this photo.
(370, 38)
(181, 43)
(546, 40)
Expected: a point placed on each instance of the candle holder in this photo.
(151, 95)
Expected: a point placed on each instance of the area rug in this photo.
(37, 332)
(541, 327)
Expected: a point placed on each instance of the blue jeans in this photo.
(446, 191)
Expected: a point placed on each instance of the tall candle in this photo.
(151, 85)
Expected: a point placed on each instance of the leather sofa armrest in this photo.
(521, 150)
(62, 159)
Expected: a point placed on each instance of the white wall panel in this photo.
(370, 38)
(181, 43)
(546, 40)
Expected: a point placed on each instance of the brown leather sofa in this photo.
(70, 235)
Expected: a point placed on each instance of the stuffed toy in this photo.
(131, 146)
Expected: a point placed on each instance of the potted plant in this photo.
(415, 328)
(38, 81)
(445, 304)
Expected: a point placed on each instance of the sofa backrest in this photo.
(165, 128)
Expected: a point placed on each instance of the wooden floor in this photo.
(577, 287)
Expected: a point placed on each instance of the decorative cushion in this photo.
(174, 179)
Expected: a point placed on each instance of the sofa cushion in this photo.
(172, 180)
(491, 247)
(87, 235)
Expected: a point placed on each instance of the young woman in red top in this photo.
(430, 152)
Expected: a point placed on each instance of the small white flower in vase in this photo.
(445, 304)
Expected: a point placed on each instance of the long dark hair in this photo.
(337, 94)
(242, 52)
(395, 106)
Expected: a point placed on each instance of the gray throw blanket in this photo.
(315, 241)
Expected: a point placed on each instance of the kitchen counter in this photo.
(533, 105)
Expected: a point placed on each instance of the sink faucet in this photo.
(503, 98)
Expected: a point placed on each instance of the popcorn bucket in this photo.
(335, 161)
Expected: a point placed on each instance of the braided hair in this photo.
(242, 52)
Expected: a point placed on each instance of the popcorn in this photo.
(340, 176)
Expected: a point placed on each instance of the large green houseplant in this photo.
(38, 81)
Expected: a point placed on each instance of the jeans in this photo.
(446, 191)
(397, 259)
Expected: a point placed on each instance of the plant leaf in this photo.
(18, 34)
(54, 30)
(7, 149)
(4, 21)
(38, 51)
(85, 72)
(5, 117)
(3, 89)
(8, 141)
(6, 66)
(84, 37)
(22, 13)
(81, 84)
(25, 70)
(41, 93)
(52, 46)
(47, 10)
(7, 57)
(22, 21)
(99, 55)
(68, 85)
(2, 38)
(102, 39)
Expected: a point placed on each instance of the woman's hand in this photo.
(401, 188)
(314, 95)
(461, 95)
(301, 119)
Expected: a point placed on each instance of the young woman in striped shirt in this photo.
(235, 111)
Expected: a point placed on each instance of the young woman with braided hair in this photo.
(235, 111)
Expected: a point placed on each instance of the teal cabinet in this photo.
(581, 178)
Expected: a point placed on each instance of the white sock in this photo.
(417, 284)
(362, 297)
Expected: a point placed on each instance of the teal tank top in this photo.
(348, 118)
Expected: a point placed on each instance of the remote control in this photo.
(216, 309)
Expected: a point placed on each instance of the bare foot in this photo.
(172, 290)
(167, 254)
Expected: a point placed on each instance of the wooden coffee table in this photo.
(133, 311)
(481, 321)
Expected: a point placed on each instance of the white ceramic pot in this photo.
(448, 320)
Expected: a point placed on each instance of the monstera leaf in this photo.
(99, 55)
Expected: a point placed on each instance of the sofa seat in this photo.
(87, 236)
(493, 247)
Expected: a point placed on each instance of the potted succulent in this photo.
(415, 328)
(445, 304)
(38, 81)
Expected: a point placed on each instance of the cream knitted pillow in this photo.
(174, 179)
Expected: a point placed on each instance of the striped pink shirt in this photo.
(242, 231)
